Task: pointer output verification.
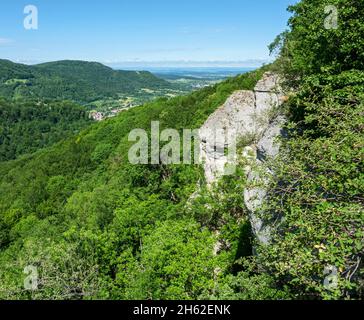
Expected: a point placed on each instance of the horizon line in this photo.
(249, 63)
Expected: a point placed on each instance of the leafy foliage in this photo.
(312, 45)
(28, 126)
(142, 232)
(319, 186)
(129, 224)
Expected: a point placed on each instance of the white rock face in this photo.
(267, 146)
(245, 115)
(270, 82)
(267, 93)
(236, 118)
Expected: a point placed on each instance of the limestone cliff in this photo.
(252, 117)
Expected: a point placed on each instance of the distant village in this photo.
(99, 116)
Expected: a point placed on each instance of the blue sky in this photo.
(138, 31)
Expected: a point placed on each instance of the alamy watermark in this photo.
(331, 279)
(332, 17)
(187, 146)
(31, 280)
(31, 18)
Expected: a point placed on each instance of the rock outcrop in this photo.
(251, 117)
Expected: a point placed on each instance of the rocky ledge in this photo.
(253, 119)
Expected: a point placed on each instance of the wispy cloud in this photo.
(171, 50)
(216, 30)
(5, 41)
(250, 63)
(189, 31)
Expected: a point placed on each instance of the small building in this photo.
(97, 116)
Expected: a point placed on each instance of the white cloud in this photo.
(4, 41)
(250, 63)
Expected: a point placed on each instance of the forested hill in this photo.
(80, 81)
(80, 203)
(30, 125)
(96, 226)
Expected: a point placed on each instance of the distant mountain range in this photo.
(79, 81)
